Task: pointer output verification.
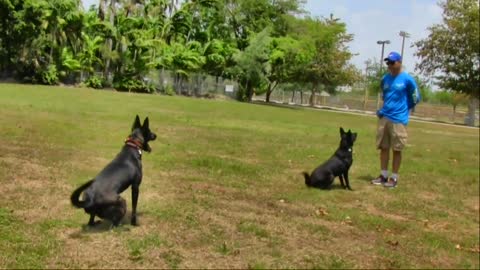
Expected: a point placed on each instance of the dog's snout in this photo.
(153, 136)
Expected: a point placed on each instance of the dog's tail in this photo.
(75, 198)
(307, 179)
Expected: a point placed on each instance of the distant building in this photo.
(344, 88)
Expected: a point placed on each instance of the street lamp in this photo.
(365, 99)
(404, 35)
(381, 42)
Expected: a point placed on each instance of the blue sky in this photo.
(372, 20)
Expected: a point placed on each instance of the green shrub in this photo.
(49, 76)
(169, 91)
(95, 81)
(126, 84)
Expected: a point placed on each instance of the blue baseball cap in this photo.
(394, 57)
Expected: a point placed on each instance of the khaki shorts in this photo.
(390, 135)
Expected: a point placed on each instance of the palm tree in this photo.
(88, 57)
(62, 16)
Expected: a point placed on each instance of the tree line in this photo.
(259, 43)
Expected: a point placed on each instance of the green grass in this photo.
(222, 187)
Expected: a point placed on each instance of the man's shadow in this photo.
(366, 178)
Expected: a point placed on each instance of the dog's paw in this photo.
(133, 222)
(93, 224)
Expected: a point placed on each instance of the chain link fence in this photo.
(356, 102)
(198, 85)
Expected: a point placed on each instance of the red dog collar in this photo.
(134, 143)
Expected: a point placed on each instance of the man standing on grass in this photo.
(400, 95)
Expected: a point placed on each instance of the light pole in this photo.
(404, 35)
(365, 101)
(381, 42)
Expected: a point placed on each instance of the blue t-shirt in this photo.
(400, 94)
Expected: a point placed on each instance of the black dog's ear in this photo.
(342, 131)
(354, 137)
(145, 123)
(136, 123)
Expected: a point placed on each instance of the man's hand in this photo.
(379, 114)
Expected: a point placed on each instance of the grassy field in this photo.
(222, 187)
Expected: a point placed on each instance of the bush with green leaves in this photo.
(168, 90)
(95, 81)
(128, 84)
(49, 75)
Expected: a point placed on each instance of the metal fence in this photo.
(199, 85)
(357, 102)
(202, 85)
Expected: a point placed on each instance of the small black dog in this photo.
(102, 194)
(338, 165)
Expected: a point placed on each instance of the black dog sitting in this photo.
(338, 165)
(102, 194)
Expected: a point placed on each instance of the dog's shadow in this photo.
(332, 187)
(102, 225)
(335, 187)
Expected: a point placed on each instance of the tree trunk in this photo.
(454, 112)
(293, 95)
(109, 41)
(177, 84)
(472, 108)
(301, 97)
(267, 99)
(270, 89)
(250, 91)
(312, 97)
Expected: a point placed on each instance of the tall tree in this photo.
(451, 52)
(285, 57)
(325, 52)
(251, 65)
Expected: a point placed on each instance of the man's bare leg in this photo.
(397, 160)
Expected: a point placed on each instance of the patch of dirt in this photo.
(374, 211)
(40, 182)
(428, 196)
(83, 249)
(473, 203)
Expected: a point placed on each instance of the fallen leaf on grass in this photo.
(474, 249)
(392, 243)
(347, 221)
(321, 212)
(453, 160)
(425, 223)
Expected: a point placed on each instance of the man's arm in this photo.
(382, 82)
(381, 86)
(413, 94)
